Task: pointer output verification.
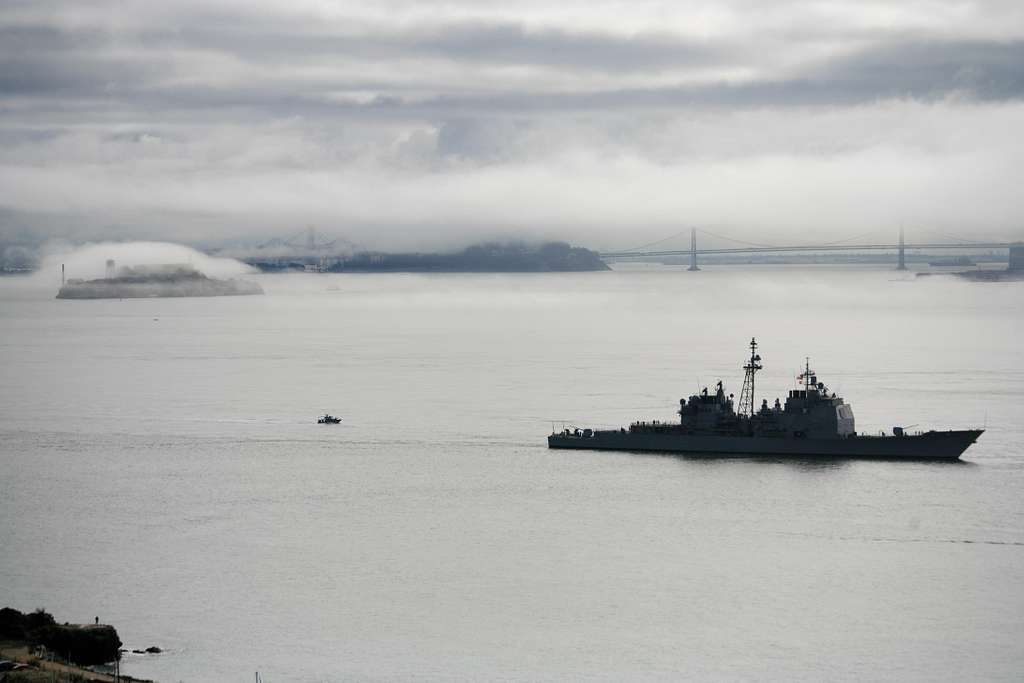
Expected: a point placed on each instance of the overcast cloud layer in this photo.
(418, 124)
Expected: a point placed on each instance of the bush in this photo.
(12, 624)
(37, 621)
(81, 644)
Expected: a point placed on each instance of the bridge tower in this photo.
(901, 263)
(693, 249)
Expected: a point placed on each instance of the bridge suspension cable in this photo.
(730, 239)
(736, 241)
(776, 246)
(955, 238)
(657, 242)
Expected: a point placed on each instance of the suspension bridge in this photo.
(648, 251)
(309, 240)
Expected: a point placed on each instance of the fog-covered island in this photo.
(156, 281)
(481, 258)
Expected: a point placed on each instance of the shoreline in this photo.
(39, 669)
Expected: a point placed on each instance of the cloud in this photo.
(413, 124)
(89, 261)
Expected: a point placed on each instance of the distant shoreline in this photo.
(552, 257)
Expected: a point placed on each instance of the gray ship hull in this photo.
(927, 446)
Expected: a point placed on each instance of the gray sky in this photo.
(428, 124)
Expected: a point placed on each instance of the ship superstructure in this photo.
(812, 422)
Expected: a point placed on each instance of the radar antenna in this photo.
(747, 395)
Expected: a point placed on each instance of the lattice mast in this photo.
(747, 395)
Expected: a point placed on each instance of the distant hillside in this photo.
(482, 258)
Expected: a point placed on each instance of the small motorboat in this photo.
(328, 419)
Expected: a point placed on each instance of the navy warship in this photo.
(813, 423)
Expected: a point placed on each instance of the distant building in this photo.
(1016, 256)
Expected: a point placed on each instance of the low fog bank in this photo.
(89, 261)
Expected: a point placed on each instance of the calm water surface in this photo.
(161, 469)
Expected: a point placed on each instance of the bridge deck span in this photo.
(834, 247)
